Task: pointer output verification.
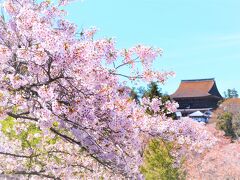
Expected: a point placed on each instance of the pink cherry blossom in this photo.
(70, 115)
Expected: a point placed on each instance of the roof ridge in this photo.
(195, 80)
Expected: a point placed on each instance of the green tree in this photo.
(154, 91)
(134, 95)
(231, 93)
(225, 123)
(227, 115)
(159, 163)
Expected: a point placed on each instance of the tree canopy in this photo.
(64, 112)
(231, 93)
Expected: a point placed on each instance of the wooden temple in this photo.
(197, 95)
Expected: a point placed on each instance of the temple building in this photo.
(197, 95)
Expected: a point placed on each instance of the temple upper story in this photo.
(197, 94)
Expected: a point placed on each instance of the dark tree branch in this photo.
(17, 155)
(71, 140)
(35, 173)
(129, 77)
(19, 116)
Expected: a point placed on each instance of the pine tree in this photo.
(159, 163)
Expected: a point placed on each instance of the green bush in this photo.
(225, 123)
(158, 162)
(236, 125)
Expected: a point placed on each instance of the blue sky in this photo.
(200, 38)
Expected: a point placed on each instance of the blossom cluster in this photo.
(56, 79)
(44, 157)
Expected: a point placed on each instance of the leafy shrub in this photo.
(225, 123)
(159, 163)
(227, 117)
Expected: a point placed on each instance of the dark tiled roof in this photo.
(196, 88)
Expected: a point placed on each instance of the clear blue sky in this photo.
(200, 38)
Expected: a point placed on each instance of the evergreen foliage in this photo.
(231, 93)
(154, 91)
(159, 163)
(225, 123)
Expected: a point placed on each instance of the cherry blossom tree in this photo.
(64, 111)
